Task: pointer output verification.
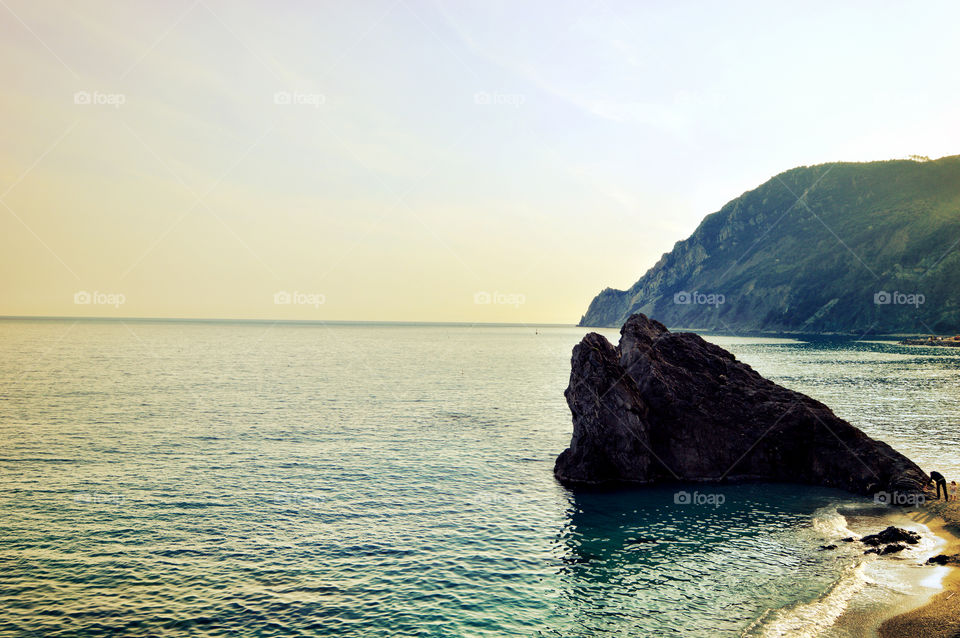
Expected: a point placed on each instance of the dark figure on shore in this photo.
(940, 482)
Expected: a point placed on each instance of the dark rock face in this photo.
(891, 535)
(944, 559)
(666, 406)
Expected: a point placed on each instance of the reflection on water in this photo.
(638, 559)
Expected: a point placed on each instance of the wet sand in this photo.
(939, 618)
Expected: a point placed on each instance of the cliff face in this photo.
(833, 248)
(665, 406)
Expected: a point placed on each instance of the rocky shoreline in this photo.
(940, 617)
(889, 541)
(946, 342)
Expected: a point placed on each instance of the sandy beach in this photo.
(939, 618)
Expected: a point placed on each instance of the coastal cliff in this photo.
(842, 247)
(664, 406)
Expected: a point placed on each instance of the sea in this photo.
(203, 478)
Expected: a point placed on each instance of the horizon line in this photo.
(365, 322)
(288, 321)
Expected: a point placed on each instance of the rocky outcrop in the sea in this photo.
(664, 406)
(891, 535)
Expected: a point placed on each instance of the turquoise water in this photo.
(268, 480)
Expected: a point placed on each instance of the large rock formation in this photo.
(666, 406)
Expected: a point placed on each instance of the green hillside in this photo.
(815, 249)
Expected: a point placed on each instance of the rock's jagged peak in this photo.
(640, 329)
(666, 406)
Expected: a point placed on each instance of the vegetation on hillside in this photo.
(843, 247)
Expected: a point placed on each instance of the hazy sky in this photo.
(405, 160)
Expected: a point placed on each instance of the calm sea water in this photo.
(271, 480)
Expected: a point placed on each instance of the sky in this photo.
(414, 160)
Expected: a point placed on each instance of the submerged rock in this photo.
(889, 549)
(664, 406)
(892, 549)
